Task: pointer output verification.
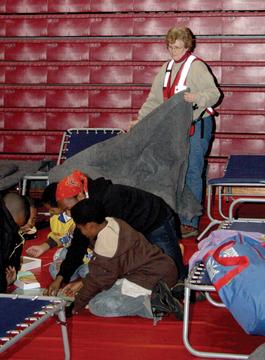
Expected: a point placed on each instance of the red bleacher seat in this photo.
(243, 98)
(23, 120)
(243, 5)
(119, 118)
(65, 6)
(25, 6)
(30, 142)
(239, 73)
(236, 121)
(68, 74)
(226, 144)
(70, 50)
(24, 73)
(110, 74)
(16, 50)
(23, 26)
(216, 167)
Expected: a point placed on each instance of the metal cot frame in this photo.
(242, 171)
(55, 306)
(195, 282)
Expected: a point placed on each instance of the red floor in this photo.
(133, 338)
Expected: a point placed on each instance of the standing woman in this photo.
(186, 71)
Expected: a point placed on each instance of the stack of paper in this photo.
(26, 280)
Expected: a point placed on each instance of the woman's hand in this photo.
(190, 97)
(133, 122)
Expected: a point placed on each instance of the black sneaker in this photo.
(178, 290)
(163, 302)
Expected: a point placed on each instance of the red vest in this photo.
(179, 83)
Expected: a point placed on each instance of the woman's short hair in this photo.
(181, 33)
(88, 210)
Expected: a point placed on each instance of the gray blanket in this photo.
(10, 178)
(152, 156)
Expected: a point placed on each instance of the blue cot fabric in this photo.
(248, 226)
(243, 169)
(80, 140)
(14, 311)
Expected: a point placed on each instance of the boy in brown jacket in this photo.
(125, 266)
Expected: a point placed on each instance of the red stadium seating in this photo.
(228, 121)
(236, 98)
(122, 49)
(127, 49)
(60, 119)
(30, 142)
(87, 63)
(118, 72)
(225, 23)
(44, 6)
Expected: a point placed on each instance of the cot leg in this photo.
(24, 187)
(203, 354)
(213, 221)
(62, 318)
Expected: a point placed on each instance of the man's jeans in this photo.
(166, 237)
(112, 303)
(198, 149)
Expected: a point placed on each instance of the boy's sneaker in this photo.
(178, 290)
(163, 302)
(188, 231)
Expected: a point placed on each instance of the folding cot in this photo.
(198, 280)
(22, 314)
(242, 171)
(73, 141)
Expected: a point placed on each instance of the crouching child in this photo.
(124, 269)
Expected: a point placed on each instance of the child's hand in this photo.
(11, 275)
(37, 250)
(72, 289)
(54, 287)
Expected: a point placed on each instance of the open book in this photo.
(26, 280)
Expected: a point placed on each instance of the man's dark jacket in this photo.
(143, 211)
(11, 244)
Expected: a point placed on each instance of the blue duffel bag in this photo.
(237, 270)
